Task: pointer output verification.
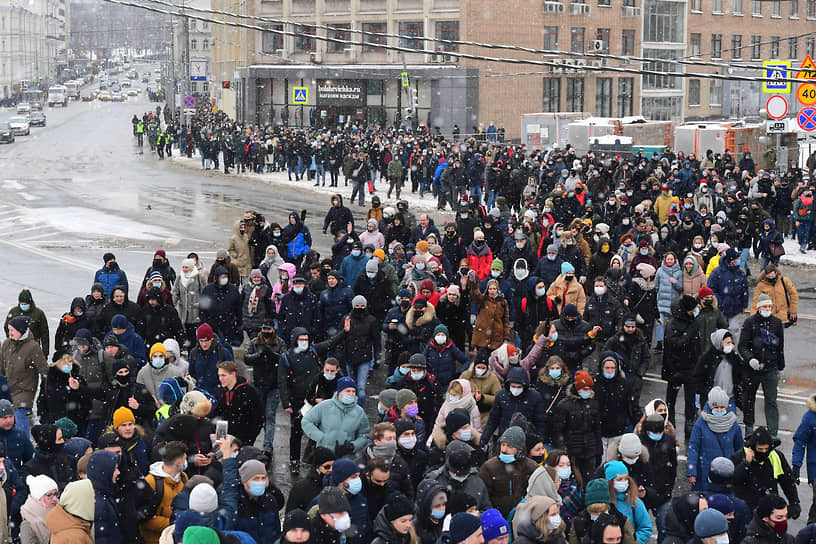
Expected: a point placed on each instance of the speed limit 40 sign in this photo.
(806, 94)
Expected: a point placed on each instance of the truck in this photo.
(72, 89)
(57, 95)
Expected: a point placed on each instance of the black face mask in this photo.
(771, 280)
(405, 304)
(359, 312)
(538, 458)
(157, 262)
(267, 335)
(708, 303)
(761, 457)
(123, 379)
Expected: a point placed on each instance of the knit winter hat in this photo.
(764, 300)
(359, 300)
(195, 403)
(68, 427)
(497, 265)
(721, 503)
(613, 469)
(583, 379)
(710, 522)
(629, 445)
(19, 324)
(345, 382)
(404, 424)
(123, 415)
(6, 408)
(705, 291)
(296, 519)
(721, 471)
(203, 498)
(250, 469)
(405, 396)
(455, 420)
(597, 492)
(158, 347)
(494, 525)
(342, 470)
(25, 296)
(717, 398)
(687, 303)
(566, 268)
(379, 253)
(462, 525)
(397, 507)
(332, 500)
(372, 266)
(388, 397)
(204, 332)
(40, 485)
(417, 360)
(513, 436)
(322, 455)
(570, 310)
(422, 246)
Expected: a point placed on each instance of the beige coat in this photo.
(239, 250)
(574, 294)
(776, 291)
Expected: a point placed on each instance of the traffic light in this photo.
(225, 84)
(414, 99)
(409, 114)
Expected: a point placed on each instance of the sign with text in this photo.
(332, 92)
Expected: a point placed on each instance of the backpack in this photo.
(158, 494)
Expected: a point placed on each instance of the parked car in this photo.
(6, 133)
(19, 125)
(23, 108)
(36, 119)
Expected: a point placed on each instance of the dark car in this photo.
(36, 119)
(6, 134)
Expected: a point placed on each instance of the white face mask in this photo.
(495, 273)
(554, 522)
(481, 371)
(408, 442)
(600, 291)
(728, 348)
(453, 398)
(765, 313)
(722, 539)
(440, 339)
(516, 391)
(342, 523)
(302, 346)
(223, 281)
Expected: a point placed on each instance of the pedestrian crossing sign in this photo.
(300, 95)
(776, 74)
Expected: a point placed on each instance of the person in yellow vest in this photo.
(167, 479)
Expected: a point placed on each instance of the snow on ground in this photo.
(792, 257)
(90, 221)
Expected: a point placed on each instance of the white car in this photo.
(19, 125)
(133, 92)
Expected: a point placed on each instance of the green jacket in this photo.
(38, 327)
(394, 170)
(390, 274)
(331, 423)
(709, 320)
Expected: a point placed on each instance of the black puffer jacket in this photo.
(605, 312)
(263, 355)
(362, 342)
(680, 518)
(632, 350)
(552, 393)
(763, 339)
(427, 529)
(662, 453)
(682, 346)
(615, 400)
(578, 426)
(505, 406)
(385, 533)
(574, 344)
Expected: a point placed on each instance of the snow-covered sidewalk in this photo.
(793, 257)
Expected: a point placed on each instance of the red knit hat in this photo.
(583, 379)
(204, 332)
(512, 351)
(705, 291)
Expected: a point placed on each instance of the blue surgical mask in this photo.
(256, 489)
(655, 436)
(585, 394)
(696, 311)
(554, 337)
(437, 514)
(551, 257)
(609, 375)
(719, 414)
(506, 458)
(555, 373)
(348, 400)
(67, 368)
(298, 290)
(355, 485)
(594, 517)
(403, 371)
(541, 292)
(564, 473)
(417, 376)
(380, 411)
(371, 275)
(355, 252)
(157, 362)
(465, 435)
(621, 487)
(644, 251)
(25, 307)
(329, 377)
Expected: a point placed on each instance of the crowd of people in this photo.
(501, 356)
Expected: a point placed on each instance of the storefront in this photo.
(336, 96)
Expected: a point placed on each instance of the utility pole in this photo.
(184, 45)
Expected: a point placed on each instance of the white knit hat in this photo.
(40, 485)
(203, 498)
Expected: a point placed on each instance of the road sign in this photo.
(776, 107)
(189, 102)
(404, 78)
(776, 127)
(776, 70)
(807, 118)
(806, 94)
(300, 95)
(807, 70)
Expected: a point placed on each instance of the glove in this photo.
(795, 473)
(794, 510)
(472, 319)
(582, 280)
(754, 363)
(346, 448)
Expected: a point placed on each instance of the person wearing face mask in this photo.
(264, 354)
(660, 446)
(161, 321)
(251, 502)
(375, 289)
(570, 485)
(339, 424)
(614, 395)
(360, 344)
(110, 275)
(761, 469)
(681, 515)
(353, 265)
(19, 355)
(220, 307)
(571, 253)
(332, 522)
(505, 476)
(161, 265)
(298, 308)
(769, 524)
(410, 450)
(516, 397)
(155, 281)
(456, 426)
(309, 485)
(458, 397)
(453, 311)
(599, 508)
(458, 475)
(762, 346)
(49, 458)
(783, 294)
(721, 365)
(711, 527)
(431, 506)
(577, 424)
(549, 265)
(484, 384)
(256, 304)
(682, 350)
(38, 323)
(346, 477)
(65, 393)
(730, 286)
(623, 491)
(716, 434)
(566, 289)
(538, 520)
(223, 260)
(603, 310)
(70, 322)
(186, 295)
(383, 449)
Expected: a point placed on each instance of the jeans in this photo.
(803, 234)
(690, 410)
(659, 329)
(769, 379)
(320, 172)
(660, 519)
(359, 188)
(359, 373)
(477, 192)
(491, 199)
(271, 398)
(745, 253)
(292, 169)
(21, 420)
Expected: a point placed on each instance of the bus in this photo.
(34, 97)
(57, 95)
(72, 89)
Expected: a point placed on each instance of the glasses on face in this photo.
(51, 495)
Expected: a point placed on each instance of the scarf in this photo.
(186, 280)
(34, 512)
(252, 305)
(720, 424)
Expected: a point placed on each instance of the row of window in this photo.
(714, 92)
(578, 37)
(756, 7)
(574, 92)
(205, 45)
(737, 47)
(342, 37)
(204, 26)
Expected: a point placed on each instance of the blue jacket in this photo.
(638, 515)
(730, 287)
(18, 446)
(106, 521)
(442, 360)
(548, 270)
(666, 290)
(257, 517)
(529, 404)
(221, 308)
(134, 343)
(203, 365)
(439, 169)
(300, 239)
(352, 267)
(110, 278)
(805, 438)
(334, 305)
(705, 445)
(298, 311)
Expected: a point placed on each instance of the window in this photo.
(756, 8)
(694, 44)
(811, 9)
(341, 32)
(794, 9)
(694, 92)
(737, 7)
(716, 6)
(603, 96)
(205, 26)
(550, 37)
(715, 92)
(192, 25)
(697, 5)
(603, 35)
(793, 48)
(447, 30)
(575, 94)
(626, 96)
(604, 3)
(756, 47)
(775, 9)
(413, 29)
(662, 108)
(810, 46)
(194, 44)
(304, 43)
(629, 3)
(661, 63)
(664, 22)
(272, 41)
(774, 47)
(736, 46)
(577, 41)
(716, 46)
(205, 45)
(628, 42)
(377, 39)
(193, 87)
(552, 95)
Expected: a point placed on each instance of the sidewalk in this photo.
(792, 257)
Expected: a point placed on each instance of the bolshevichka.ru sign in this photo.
(341, 93)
